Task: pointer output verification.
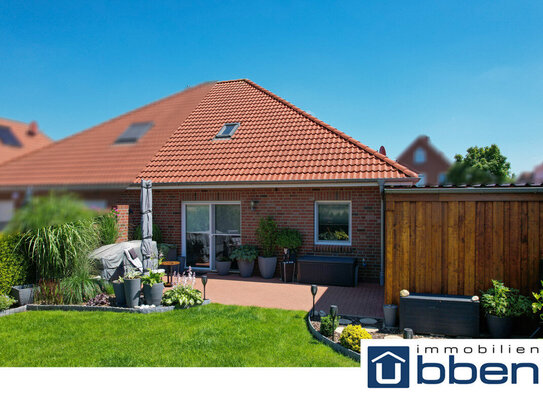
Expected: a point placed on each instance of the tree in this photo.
(481, 165)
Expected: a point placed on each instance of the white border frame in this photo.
(211, 227)
(316, 225)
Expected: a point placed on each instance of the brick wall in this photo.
(122, 222)
(290, 207)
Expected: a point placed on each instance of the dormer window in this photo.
(227, 130)
(420, 156)
(134, 132)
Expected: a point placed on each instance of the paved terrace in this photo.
(364, 300)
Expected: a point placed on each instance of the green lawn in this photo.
(212, 335)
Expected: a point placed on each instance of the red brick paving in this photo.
(364, 300)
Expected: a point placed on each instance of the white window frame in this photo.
(229, 135)
(316, 225)
(210, 205)
(419, 156)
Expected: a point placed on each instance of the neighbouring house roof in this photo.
(535, 176)
(274, 141)
(18, 138)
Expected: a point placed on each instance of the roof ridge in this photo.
(351, 140)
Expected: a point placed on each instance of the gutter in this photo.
(382, 271)
(465, 190)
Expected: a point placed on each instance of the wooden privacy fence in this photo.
(454, 241)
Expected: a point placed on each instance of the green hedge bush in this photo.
(328, 325)
(13, 264)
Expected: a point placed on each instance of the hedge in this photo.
(13, 265)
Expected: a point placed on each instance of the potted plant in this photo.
(153, 287)
(132, 288)
(502, 304)
(118, 289)
(266, 234)
(290, 240)
(222, 264)
(245, 255)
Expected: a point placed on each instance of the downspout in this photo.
(382, 193)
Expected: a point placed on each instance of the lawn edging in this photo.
(12, 311)
(48, 307)
(335, 346)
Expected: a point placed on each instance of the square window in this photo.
(333, 222)
(227, 130)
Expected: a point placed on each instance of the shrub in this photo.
(108, 230)
(537, 306)
(48, 292)
(157, 233)
(6, 302)
(351, 336)
(101, 300)
(266, 234)
(502, 301)
(289, 238)
(13, 264)
(328, 326)
(245, 252)
(182, 297)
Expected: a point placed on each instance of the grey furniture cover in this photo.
(111, 258)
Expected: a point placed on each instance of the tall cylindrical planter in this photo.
(153, 294)
(390, 312)
(118, 289)
(246, 267)
(267, 265)
(132, 290)
(499, 327)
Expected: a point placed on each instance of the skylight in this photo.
(134, 132)
(8, 138)
(227, 130)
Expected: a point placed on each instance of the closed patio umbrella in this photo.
(146, 205)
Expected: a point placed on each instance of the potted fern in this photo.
(153, 287)
(266, 234)
(245, 255)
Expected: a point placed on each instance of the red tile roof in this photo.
(275, 141)
(91, 157)
(28, 136)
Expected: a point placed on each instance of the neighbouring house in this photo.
(533, 177)
(429, 163)
(17, 139)
(221, 156)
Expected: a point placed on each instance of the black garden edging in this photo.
(336, 346)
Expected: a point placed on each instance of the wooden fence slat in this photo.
(469, 257)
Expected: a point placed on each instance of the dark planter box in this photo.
(453, 315)
(24, 294)
(327, 270)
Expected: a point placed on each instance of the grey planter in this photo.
(132, 290)
(223, 267)
(120, 300)
(267, 265)
(24, 294)
(390, 312)
(499, 327)
(246, 267)
(153, 295)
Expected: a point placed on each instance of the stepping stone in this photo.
(345, 321)
(368, 321)
(371, 330)
(339, 330)
(393, 337)
(322, 313)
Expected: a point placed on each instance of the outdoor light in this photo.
(333, 314)
(408, 333)
(313, 292)
(204, 282)
(253, 205)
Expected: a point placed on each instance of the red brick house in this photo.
(424, 158)
(221, 156)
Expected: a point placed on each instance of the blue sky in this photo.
(463, 72)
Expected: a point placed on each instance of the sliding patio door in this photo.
(211, 230)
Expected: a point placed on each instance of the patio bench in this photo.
(328, 270)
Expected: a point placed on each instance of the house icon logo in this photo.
(388, 366)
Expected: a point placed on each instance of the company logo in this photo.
(388, 366)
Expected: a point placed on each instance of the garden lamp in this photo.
(204, 282)
(313, 292)
(333, 314)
